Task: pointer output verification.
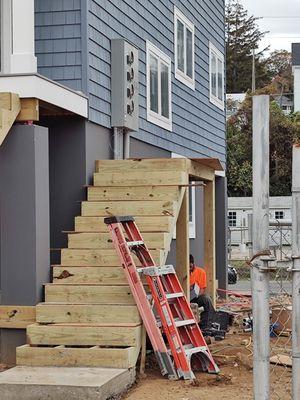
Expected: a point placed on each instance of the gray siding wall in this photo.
(73, 47)
(58, 45)
(198, 125)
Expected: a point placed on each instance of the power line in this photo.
(280, 17)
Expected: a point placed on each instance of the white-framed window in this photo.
(192, 206)
(279, 214)
(232, 218)
(159, 102)
(216, 76)
(184, 42)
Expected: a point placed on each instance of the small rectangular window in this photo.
(184, 49)
(279, 214)
(158, 87)
(216, 76)
(232, 218)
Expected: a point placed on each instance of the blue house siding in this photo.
(198, 126)
(73, 47)
(58, 41)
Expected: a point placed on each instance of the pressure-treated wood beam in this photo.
(10, 107)
(29, 110)
(209, 238)
(16, 317)
(183, 244)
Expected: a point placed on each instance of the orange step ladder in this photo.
(173, 316)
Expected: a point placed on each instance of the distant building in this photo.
(233, 103)
(285, 103)
(296, 72)
(240, 207)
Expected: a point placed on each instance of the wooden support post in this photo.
(209, 239)
(183, 244)
(143, 351)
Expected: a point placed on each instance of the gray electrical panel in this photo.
(124, 85)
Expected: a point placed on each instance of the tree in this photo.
(284, 130)
(242, 37)
(279, 67)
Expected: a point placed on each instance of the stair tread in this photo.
(100, 325)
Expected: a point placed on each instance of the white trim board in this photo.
(153, 117)
(180, 75)
(39, 87)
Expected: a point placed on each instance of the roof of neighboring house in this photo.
(245, 203)
(283, 101)
(236, 96)
(295, 54)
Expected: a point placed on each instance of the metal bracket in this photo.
(265, 267)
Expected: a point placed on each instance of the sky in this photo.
(280, 17)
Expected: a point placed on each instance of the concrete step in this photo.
(60, 383)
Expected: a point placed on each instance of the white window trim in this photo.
(153, 117)
(181, 76)
(214, 99)
(192, 224)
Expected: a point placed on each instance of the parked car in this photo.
(232, 275)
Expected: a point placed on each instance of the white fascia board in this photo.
(44, 89)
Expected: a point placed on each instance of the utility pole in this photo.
(253, 71)
(260, 239)
(296, 270)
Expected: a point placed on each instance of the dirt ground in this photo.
(234, 357)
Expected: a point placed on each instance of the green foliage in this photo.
(284, 131)
(242, 37)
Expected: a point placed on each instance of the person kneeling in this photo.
(198, 295)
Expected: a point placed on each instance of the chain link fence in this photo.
(280, 289)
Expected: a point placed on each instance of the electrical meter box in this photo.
(124, 85)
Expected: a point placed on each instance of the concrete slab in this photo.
(60, 383)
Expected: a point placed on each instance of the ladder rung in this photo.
(174, 295)
(157, 271)
(185, 322)
(136, 243)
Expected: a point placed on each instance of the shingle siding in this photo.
(58, 41)
(198, 126)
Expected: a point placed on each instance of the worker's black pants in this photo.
(203, 300)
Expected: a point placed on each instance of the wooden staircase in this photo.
(10, 107)
(89, 317)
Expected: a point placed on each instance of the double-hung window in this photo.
(159, 109)
(232, 218)
(216, 76)
(184, 49)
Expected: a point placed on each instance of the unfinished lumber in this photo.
(85, 335)
(52, 313)
(29, 110)
(104, 208)
(183, 244)
(209, 239)
(10, 107)
(92, 257)
(79, 293)
(95, 275)
(103, 241)
(198, 171)
(16, 317)
(77, 357)
(139, 193)
(146, 224)
(142, 164)
(140, 178)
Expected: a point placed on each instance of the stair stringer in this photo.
(10, 107)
